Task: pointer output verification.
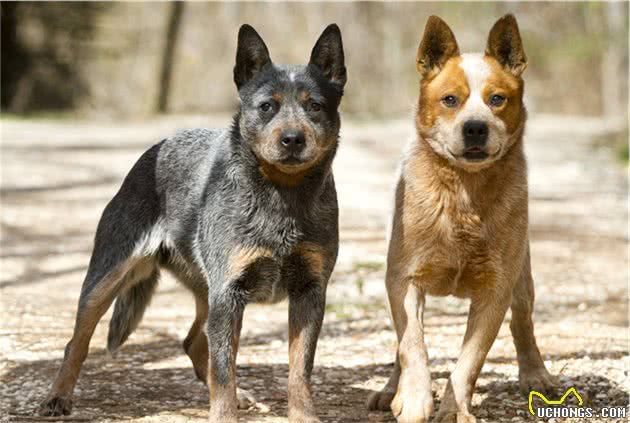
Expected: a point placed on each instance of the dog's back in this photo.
(155, 214)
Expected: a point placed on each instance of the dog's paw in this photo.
(455, 417)
(538, 379)
(245, 399)
(55, 406)
(380, 400)
(412, 406)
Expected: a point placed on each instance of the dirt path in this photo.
(57, 177)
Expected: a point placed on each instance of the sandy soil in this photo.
(57, 177)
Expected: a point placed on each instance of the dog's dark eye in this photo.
(450, 101)
(265, 107)
(496, 100)
(315, 106)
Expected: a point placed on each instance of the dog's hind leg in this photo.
(532, 372)
(127, 238)
(196, 347)
(382, 400)
(99, 290)
(196, 342)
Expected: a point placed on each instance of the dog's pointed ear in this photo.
(505, 45)
(328, 56)
(251, 55)
(437, 46)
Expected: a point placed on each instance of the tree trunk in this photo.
(170, 46)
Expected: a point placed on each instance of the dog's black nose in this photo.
(475, 133)
(292, 140)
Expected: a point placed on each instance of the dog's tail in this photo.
(129, 309)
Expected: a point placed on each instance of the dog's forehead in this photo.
(476, 70)
(294, 77)
(286, 81)
(291, 73)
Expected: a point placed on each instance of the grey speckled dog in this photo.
(242, 215)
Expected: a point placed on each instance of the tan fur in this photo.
(300, 396)
(224, 397)
(97, 303)
(291, 176)
(461, 232)
(243, 257)
(316, 261)
(304, 96)
(505, 32)
(278, 97)
(267, 141)
(314, 255)
(438, 45)
(196, 347)
(196, 342)
(466, 224)
(286, 177)
(505, 83)
(450, 81)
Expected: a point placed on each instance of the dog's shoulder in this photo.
(189, 150)
(186, 160)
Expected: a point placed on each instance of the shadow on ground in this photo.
(135, 384)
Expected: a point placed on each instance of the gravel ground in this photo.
(57, 177)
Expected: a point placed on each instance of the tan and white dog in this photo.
(460, 223)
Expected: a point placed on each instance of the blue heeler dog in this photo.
(247, 214)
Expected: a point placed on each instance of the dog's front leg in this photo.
(225, 319)
(306, 313)
(484, 320)
(532, 373)
(413, 402)
(408, 391)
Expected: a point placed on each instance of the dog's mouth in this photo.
(475, 154)
(288, 172)
(292, 164)
(292, 161)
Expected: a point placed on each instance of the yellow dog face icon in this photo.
(569, 391)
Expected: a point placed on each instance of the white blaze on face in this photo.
(447, 135)
(477, 72)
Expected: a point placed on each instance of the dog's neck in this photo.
(433, 172)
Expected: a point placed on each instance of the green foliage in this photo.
(352, 310)
(370, 266)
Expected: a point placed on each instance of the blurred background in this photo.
(132, 60)
(87, 87)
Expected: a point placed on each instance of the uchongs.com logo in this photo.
(558, 408)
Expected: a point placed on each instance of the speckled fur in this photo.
(203, 205)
